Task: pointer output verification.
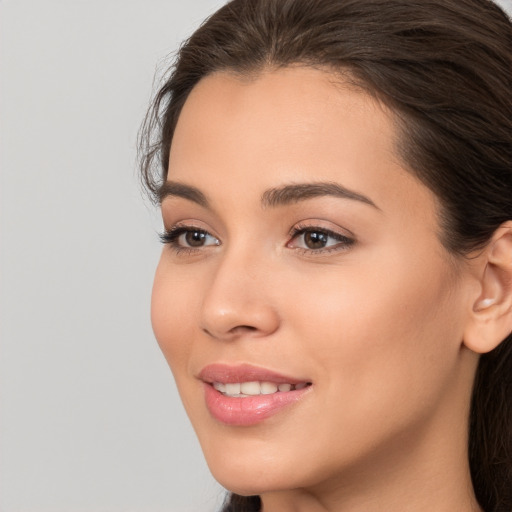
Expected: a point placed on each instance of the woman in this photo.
(334, 296)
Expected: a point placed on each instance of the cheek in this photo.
(170, 304)
(383, 343)
(379, 329)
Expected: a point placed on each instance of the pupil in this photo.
(195, 238)
(315, 240)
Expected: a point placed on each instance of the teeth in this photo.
(254, 388)
(233, 388)
(219, 386)
(267, 388)
(250, 388)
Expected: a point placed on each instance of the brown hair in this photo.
(445, 68)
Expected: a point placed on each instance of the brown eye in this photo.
(315, 239)
(188, 237)
(195, 238)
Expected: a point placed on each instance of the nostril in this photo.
(240, 329)
(221, 319)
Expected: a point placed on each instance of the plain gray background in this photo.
(90, 420)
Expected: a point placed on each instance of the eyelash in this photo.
(344, 242)
(171, 237)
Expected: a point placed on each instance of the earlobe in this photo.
(491, 316)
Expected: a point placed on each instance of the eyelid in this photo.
(171, 236)
(189, 225)
(176, 231)
(345, 241)
(322, 225)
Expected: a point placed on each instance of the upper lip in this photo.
(220, 372)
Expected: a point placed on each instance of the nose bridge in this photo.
(237, 300)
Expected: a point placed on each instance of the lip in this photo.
(247, 411)
(228, 374)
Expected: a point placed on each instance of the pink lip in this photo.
(243, 373)
(246, 411)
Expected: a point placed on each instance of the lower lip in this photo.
(246, 411)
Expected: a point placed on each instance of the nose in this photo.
(237, 302)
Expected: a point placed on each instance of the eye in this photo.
(318, 239)
(188, 237)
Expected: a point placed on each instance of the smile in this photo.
(254, 388)
(246, 395)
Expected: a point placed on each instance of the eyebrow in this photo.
(294, 193)
(174, 189)
(274, 197)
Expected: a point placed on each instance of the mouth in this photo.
(245, 395)
(255, 388)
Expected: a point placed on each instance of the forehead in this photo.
(294, 104)
(262, 118)
(286, 126)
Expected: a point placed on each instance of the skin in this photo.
(376, 325)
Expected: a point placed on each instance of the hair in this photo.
(444, 68)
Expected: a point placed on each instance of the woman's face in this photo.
(301, 254)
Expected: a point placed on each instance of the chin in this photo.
(251, 480)
(250, 467)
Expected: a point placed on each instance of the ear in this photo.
(491, 316)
